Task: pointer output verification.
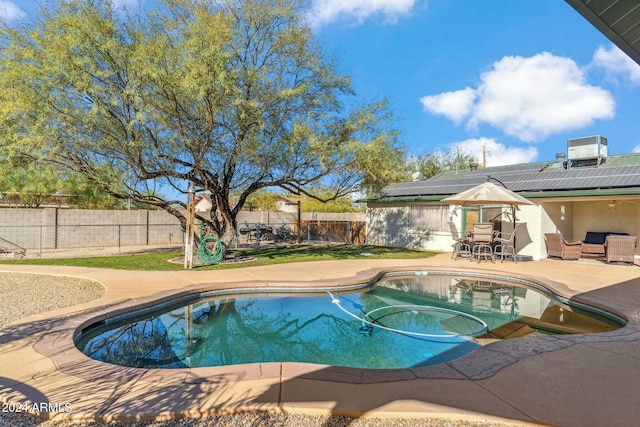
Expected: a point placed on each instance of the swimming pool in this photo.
(404, 320)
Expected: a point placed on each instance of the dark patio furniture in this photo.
(594, 242)
(620, 248)
(558, 247)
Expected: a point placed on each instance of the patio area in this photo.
(568, 380)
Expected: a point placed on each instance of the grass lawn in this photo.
(159, 261)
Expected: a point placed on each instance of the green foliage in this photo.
(325, 202)
(231, 96)
(85, 195)
(25, 184)
(262, 200)
(341, 205)
(432, 164)
(30, 183)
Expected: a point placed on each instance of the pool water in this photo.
(400, 322)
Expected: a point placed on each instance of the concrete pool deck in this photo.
(570, 380)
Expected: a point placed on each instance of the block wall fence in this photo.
(56, 228)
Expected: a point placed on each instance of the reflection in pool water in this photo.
(402, 321)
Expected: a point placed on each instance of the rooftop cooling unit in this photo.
(589, 147)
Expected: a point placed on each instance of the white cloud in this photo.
(324, 11)
(497, 154)
(455, 105)
(9, 11)
(532, 98)
(636, 149)
(616, 64)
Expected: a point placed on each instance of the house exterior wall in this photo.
(598, 216)
(388, 225)
(529, 239)
(592, 215)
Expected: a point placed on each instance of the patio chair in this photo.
(558, 247)
(505, 246)
(461, 245)
(483, 235)
(620, 248)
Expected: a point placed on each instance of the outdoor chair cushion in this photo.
(594, 241)
(595, 237)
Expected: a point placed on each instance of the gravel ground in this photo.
(95, 251)
(23, 295)
(258, 419)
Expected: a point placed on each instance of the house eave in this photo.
(600, 192)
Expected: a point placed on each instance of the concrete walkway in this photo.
(570, 380)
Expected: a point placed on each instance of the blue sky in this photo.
(518, 78)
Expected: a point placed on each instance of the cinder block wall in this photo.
(73, 228)
(54, 228)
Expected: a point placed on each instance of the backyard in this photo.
(160, 260)
(511, 382)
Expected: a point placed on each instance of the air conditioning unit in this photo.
(590, 147)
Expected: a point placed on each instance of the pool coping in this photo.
(483, 366)
(73, 367)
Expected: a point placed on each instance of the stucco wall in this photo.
(530, 240)
(388, 225)
(592, 215)
(598, 216)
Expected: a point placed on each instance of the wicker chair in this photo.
(620, 248)
(558, 247)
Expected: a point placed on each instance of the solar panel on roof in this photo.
(524, 178)
(620, 180)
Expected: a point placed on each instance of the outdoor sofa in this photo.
(594, 242)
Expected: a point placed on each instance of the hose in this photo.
(210, 256)
(406, 307)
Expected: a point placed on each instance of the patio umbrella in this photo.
(488, 193)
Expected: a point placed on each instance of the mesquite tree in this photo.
(232, 96)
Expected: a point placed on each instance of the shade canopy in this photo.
(487, 193)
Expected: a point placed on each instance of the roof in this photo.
(620, 174)
(618, 20)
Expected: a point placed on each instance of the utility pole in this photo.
(484, 156)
